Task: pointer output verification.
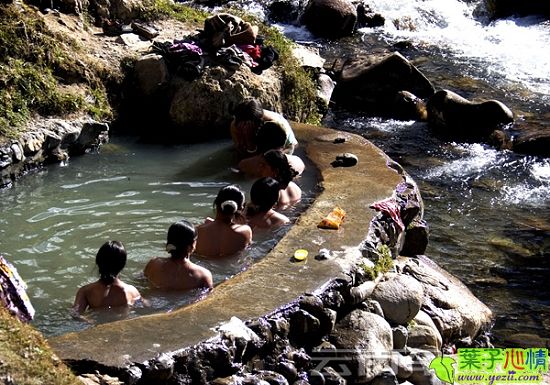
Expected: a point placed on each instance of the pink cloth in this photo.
(390, 207)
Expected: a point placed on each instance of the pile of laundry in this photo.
(227, 39)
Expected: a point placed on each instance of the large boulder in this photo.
(330, 18)
(451, 115)
(203, 108)
(400, 297)
(373, 84)
(356, 337)
(455, 311)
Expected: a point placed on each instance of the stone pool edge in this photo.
(152, 348)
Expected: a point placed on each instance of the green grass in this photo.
(383, 264)
(36, 66)
(25, 357)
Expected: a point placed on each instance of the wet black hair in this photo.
(249, 110)
(180, 236)
(271, 135)
(230, 200)
(278, 161)
(110, 260)
(264, 194)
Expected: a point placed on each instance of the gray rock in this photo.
(151, 73)
(423, 334)
(408, 106)
(400, 297)
(363, 340)
(325, 87)
(387, 377)
(416, 238)
(215, 95)
(371, 83)
(453, 116)
(402, 365)
(400, 335)
(332, 377)
(330, 18)
(455, 311)
(17, 152)
(422, 374)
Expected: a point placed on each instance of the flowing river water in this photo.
(488, 210)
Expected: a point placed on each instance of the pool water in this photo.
(54, 221)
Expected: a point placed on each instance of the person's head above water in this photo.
(249, 110)
(279, 167)
(230, 200)
(264, 194)
(110, 260)
(181, 238)
(271, 135)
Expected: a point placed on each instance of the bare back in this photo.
(177, 274)
(99, 295)
(220, 239)
(289, 196)
(267, 220)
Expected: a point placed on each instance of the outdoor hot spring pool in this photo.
(54, 221)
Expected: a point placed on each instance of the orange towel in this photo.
(333, 220)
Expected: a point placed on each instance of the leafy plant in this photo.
(383, 263)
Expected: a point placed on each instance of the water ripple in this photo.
(80, 210)
(76, 185)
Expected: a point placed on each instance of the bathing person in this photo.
(227, 234)
(177, 272)
(108, 291)
(277, 167)
(270, 136)
(264, 194)
(249, 115)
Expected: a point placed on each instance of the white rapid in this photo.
(514, 49)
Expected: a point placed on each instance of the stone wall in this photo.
(48, 141)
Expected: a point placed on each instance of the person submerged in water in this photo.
(270, 136)
(249, 116)
(264, 194)
(277, 167)
(108, 291)
(227, 234)
(178, 272)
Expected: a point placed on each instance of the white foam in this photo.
(513, 48)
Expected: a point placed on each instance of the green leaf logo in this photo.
(444, 369)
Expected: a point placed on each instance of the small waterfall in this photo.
(512, 49)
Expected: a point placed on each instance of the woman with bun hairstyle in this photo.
(277, 166)
(178, 272)
(264, 194)
(108, 291)
(226, 234)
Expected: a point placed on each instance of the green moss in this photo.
(25, 357)
(38, 73)
(383, 264)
